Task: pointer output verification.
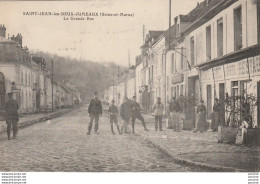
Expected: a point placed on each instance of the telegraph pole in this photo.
(52, 85)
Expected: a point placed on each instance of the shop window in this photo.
(237, 28)
(181, 89)
(220, 37)
(208, 43)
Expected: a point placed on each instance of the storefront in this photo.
(177, 88)
(236, 79)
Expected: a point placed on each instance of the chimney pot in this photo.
(2, 30)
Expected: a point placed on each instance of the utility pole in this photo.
(52, 85)
(113, 86)
(129, 63)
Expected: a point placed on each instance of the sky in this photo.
(104, 39)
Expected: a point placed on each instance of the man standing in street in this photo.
(125, 113)
(11, 108)
(94, 110)
(113, 112)
(136, 114)
(158, 108)
(175, 113)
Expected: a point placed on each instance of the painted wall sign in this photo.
(233, 70)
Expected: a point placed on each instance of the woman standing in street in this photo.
(201, 117)
(215, 115)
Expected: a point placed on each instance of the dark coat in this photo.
(175, 106)
(95, 107)
(113, 110)
(11, 108)
(126, 110)
(217, 107)
(136, 109)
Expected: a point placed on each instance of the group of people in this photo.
(129, 110)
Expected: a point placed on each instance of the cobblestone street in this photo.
(61, 144)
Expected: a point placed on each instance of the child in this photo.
(113, 111)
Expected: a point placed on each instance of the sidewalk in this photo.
(201, 149)
(29, 119)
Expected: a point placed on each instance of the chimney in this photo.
(2, 30)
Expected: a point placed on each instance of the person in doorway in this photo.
(201, 117)
(125, 113)
(175, 113)
(215, 115)
(113, 112)
(11, 115)
(136, 114)
(158, 108)
(95, 111)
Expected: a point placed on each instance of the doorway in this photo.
(258, 103)
(209, 101)
(222, 102)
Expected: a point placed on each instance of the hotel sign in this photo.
(177, 79)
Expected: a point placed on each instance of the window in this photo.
(173, 63)
(237, 28)
(21, 77)
(25, 78)
(181, 89)
(149, 74)
(182, 58)
(192, 53)
(220, 37)
(167, 83)
(208, 43)
(177, 91)
(173, 91)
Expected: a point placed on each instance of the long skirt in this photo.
(175, 116)
(201, 121)
(215, 120)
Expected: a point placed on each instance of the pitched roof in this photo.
(152, 35)
(4, 40)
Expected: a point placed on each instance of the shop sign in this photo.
(232, 70)
(177, 79)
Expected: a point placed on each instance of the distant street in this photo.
(62, 145)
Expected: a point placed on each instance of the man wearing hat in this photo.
(136, 114)
(94, 110)
(11, 107)
(113, 112)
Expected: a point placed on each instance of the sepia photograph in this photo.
(137, 86)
